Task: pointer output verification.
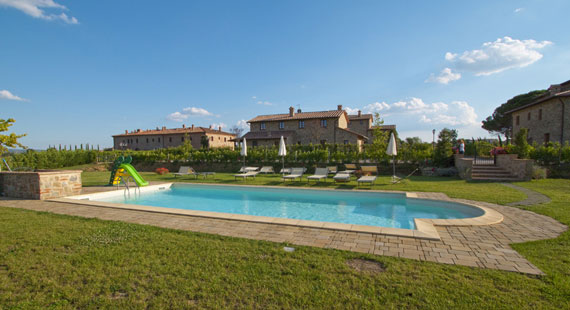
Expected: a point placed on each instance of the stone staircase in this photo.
(491, 173)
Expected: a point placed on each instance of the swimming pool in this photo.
(392, 210)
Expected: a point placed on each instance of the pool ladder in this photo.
(125, 181)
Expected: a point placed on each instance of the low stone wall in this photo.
(519, 168)
(41, 184)
(464, 166)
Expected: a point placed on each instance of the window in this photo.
(518, 120)
(211, 138)
(137, 140)
(152, 139)
(540, 114)
(323, 142)
(345, 141)
(262, 126)
(528, 116)
(169, 139)
(146, 140)
(182, 139)
(360, 122)
(225, 139)
(546, 138)
(301, 124)
(158, 139)
(324, 123)
(254, 143)
(281, 125)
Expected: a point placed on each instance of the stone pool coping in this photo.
(425, 228)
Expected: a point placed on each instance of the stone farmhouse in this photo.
(165, 138)
(336, 127)
(547, 118)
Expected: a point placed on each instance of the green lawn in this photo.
(63, 262)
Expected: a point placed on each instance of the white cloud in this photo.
(500, 55)
(243, 124)
(218, 125)
(188, 112)
(36, 8)
(4, 94)
(264, 103)
(377, 107)
(445, 76)
(193, 111)
(177, 117)
(351, 111)
(414, 112)
(253, 97)
(518, 10)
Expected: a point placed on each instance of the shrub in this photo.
(538, 172)
(161, 171)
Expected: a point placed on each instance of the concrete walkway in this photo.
(532, 197)
(476, 246)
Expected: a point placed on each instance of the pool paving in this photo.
(476, 246)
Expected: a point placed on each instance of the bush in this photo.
(538, 172)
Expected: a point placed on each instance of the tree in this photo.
(501, 123)
(205, 142)
(237, 131)
(522, 148)
(377, 149)
(10, 140)
(447, 138)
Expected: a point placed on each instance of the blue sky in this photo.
(76, 72)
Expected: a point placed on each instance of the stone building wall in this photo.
(551, 122)
(152, 142)
(41, 184)
(360, 125)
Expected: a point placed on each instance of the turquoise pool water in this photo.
(362, 208)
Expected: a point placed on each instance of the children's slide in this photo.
(134, 173)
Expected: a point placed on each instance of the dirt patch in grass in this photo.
(365, 265)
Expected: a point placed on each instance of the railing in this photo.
(125, 182)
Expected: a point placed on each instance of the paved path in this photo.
(476, 246)
(532, 197)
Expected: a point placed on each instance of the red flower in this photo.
(161, 171)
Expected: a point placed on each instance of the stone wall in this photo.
(544, 119)
(40, 184)
(464, 166)
(519, 168)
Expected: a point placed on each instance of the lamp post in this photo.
(433, 140)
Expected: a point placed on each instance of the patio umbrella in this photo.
(282, 151)
(392, 150)
(243, 151)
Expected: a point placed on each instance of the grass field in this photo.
(62, 262)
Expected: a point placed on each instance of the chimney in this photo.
(210, 126)
(298, 110)
(219, 128)
(192, 126)
(163, 127)
(126, 131)
(138, 130)
(339, 107)
(291, 111)
(183, 125)
(359, 113)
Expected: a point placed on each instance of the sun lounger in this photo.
(342, 176)
(349, 168)
(266, 169)
(246, 175)
(320, 173)
(367, 176)
(185, 170)
(295, 173)
(332, 169)
(248, 169)
(285, 171)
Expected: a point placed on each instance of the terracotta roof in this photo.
(384, 127)
(165, 131)
(541, 99)
(268, 135)
(362, 116)
(355, 133)
(297, 116)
